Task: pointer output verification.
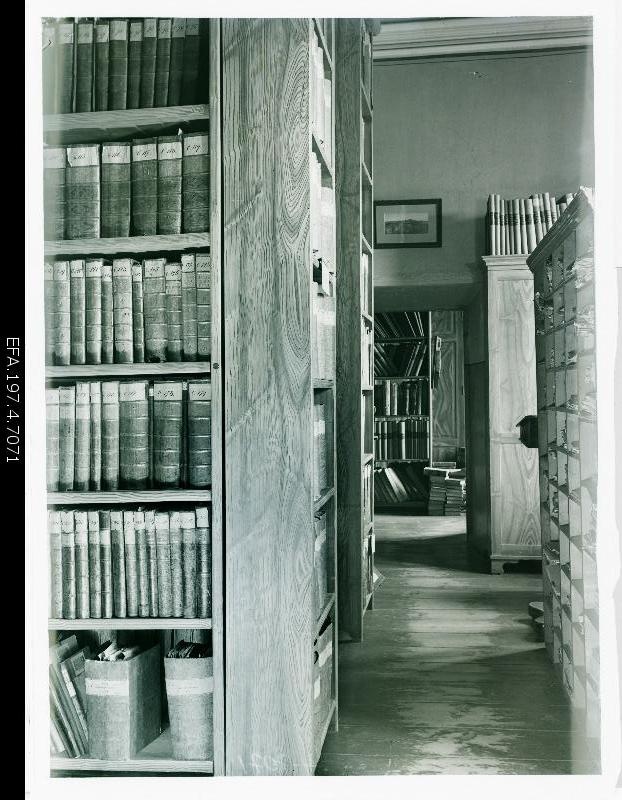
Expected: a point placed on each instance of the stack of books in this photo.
(443, 492)
(437, 496)
(68, 726)
(365, 283)
(126, 563)
(455, 496)
(515, 227)
(322, 448)
(114, 64)
(142, 187)
(104, 436)
(125, 311)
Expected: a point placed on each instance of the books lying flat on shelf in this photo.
(117, 189)
(401, 439)
(515, 227)
(116, 64)
(125, 563)
(125, 311)
(128, 435)
(395, 398)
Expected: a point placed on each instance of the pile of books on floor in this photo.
(437, 497)
(447, 489)
(455, 496)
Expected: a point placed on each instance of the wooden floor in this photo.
(450, 677)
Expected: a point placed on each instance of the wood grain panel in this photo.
(514, 497)
(127, 244)
(268, 396)
(477, 458)
(448, 395)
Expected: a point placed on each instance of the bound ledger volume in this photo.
(129, 435)
(121, 63)
(515, 227)
(130, 563)
(115, 189)
(82, 192)
(127, 311)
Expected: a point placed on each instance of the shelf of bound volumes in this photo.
(563, 268)
(133, 488)
(355, 312)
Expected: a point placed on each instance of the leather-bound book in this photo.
(167, 434)
(48, 310)
(82, 457)
(107, 314)
(189, 307)
(95, 481)
(176, 68)
(131, 563)
(204, 563)
(115, 189)
(138, 315)
(163, 551)
(189, 562)
(82, 564)
(77, 306)
(143, 563)
(66, 437)
(110, 435)
(144, 202)
(102, 63)
(169, 184)
(48, 65)
(68, 548)
(52, 442)
(154, 303)
(199, 434)
(117, 70)
(82, 192)
(190, 71)
(122, 304)
(61, 315)
(56, 565)
(133, 435)
(117, 544)
(65, 36)
(134, 56)
(177, 577)
(203, 267)
(54, 202)
(105, 558)
(148, 62)
(84, 65)
(163, 62)
(174, 323)
(152, 561)
(195, 183)
(93, 310)
(95, 574)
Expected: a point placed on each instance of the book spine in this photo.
(509, 216)
(529, 222)
(203, 267)
(162, 63)
(79, 718)
(54, 190)
(93, 310)
(189, 563)
(82, 564)
(52, 439)
(169, 184)
(189, 307)
(133, 435)
(516, 216)
(64, 67)
(102, 61)
(178, 38)
(77, 308)
(199, 434)
(176, 564)
(163, 553)
(490, 221)
(95, 574)
(156, 337)
(143, 563)
(110, 435)
(535, 203)
(138, 317)
(82, 457)
(503, 226)
(134, 57)
(95, 481)
(117, 542)
(152, 562)
(131, 563)
(546, 205)
(115, 189)
(48, 65)
(144, 172)
(523, 226)
(553, 208)
(117, 76)
(107, 314)
(172, 274)
(56, 565)
(82, 192)
(497, 225)
(167, 434)
(84, 66)
(190, 71)
(122, 310)
(148, 62)
(105, 560)
(68, 545)
(66, 437)
(204, 564)
(60, 715)
(195, 183)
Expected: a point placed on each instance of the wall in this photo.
(460, 130)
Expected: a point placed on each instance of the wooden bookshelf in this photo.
(355, 310)
(127, 244)
(111, 371)
(564, 300)
(129, 497)
(130, 624)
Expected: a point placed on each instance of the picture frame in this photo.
(408, 223)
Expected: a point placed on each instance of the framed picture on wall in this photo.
(408, 223)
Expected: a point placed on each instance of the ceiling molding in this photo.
(479, 35)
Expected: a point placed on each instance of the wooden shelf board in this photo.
(387, 461)
(324, 45)
(367, 317)
(401, 416)
(366, 174)
(368, 457)
(326, 725)
(128, 496)
(401, 378)
(323, 383)
(127, 244)
(366, 246)
(365, 104)
(155, 757)
(323, 499)
(318, 149)
(110, 125)
(129, 370)
(130, 624)
(325, 612)
(400, 340)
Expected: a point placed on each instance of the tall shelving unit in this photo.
(355, 310)
(103, 126)
(563, 268)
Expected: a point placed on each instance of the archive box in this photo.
(190, 695)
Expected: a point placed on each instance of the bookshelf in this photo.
(355, 310)
(108, 126)
(563, 269)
